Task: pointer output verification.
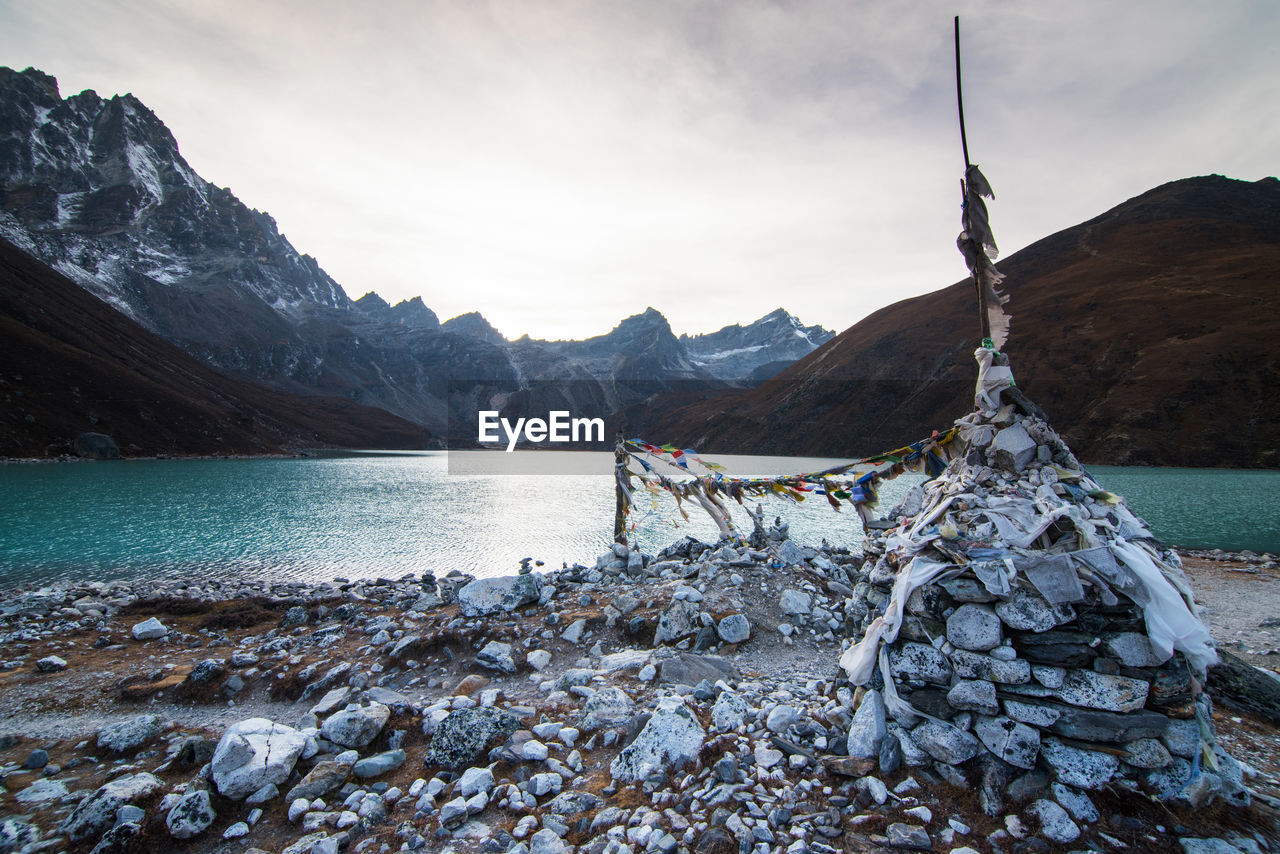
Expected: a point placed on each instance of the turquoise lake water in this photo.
(371, 515)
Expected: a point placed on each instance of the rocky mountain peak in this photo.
(474, 325)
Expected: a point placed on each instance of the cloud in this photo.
(558, 164)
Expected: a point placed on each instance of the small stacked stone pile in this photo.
(1025, 633)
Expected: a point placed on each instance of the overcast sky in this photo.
(559, 165)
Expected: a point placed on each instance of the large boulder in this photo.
(253, 753)
(327, 776)
(462, 737)
(356, 727)
(97, 812)
(130, 734)
(607, 708)
(486, 596)
(671, 739)
(679, 620)
(191, 815)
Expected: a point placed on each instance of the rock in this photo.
(909, 836)
(671, 738)
(1012, 449)
(533, 751)
(36, 759)
(1028, 611)
(469, 684)
(729, 712)
(129, 735)
(97, 812)
(453, 813)
(42, 791)
(1055, 824)
(378, 764)
(679, 620)
(767, 757)
(295, 616)
(1015, 743)
(51, 664)
(919, 662)
(496, 656)
(404, 645)
(546, 841)
(1083, 769)
(967, 590)
(795, 603)
(780, 718)
(975, 627)
(974, 695)
(945, 743)
(464, 735)
(688, 669)
(149, 629)
(571, 804)
(16, 835)
(263, 795)
(538, 659)
(486, 596)
(972, 665)
(1094, 725)
(608, 708)
(1146, 753)
(573, 634)
(95, 446)
(734, 628)
(1182, 737)
(356, 727)
(1075, 802)
(237, 830)
(475, 780)
(1100, 691)
(546, 783)
(191, 815)
(867, 730)
(325, 777)
(1133, 649)
(253, 753)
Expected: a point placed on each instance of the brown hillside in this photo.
(1150, 335)
(70, 364)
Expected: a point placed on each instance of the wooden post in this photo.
(621, 476)
(964, 191)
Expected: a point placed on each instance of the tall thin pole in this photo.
(621, 476)
(984, 320)
(964, 142)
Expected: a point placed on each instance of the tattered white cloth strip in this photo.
(859, 660)
(991, 379)
(1170, 622)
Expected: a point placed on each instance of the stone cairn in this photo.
(1024, 632)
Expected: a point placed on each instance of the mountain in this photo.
(756, 351)
(70, 364)
(98, 189)
(1147, 334)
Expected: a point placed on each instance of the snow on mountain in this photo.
(738, 353)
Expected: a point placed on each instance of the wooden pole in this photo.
(964, 142)
(985, 322)
(620, 477)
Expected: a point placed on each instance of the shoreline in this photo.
(575, 661)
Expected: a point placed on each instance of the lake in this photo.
(368, 515)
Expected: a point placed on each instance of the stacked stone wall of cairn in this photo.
(1024, 633)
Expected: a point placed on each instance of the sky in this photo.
(558, 165)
